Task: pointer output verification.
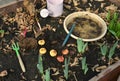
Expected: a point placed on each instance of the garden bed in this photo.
(29, 34)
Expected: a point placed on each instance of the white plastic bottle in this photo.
(55, 7)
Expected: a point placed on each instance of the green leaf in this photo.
(84, 47)
(111, 25)
(118, 25)
(114, 24)
(86, 69)
(79, 45)
(118, 34)
(66, 63)
(112, 32)
(108, 16)
(40, 64)
(104, 49)
(83, 63)
(115, 16)
(112, 50)
(47, 75)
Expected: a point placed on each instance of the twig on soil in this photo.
(75, 77)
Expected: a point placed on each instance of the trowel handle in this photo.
(21, 63)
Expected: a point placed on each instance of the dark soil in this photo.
(54, 35)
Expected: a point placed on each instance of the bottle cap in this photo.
(44, 13)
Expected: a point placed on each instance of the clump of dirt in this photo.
(28, 43)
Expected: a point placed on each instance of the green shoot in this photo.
(108, 16)
(66, 63)
(81, 46)
(112, 50)
(84, 65)
(104, 49)
(2, 33)
(115, 16)
(47, 75)
(40, 64)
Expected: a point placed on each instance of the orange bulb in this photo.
(65, 51)
(60, 58)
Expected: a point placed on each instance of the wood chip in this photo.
(75, 63)
(100, 68)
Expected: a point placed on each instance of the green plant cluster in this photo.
(66, 69)
(46, 76)
(84, 65)
(109, 52)
(114, 24)
(81, 46)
